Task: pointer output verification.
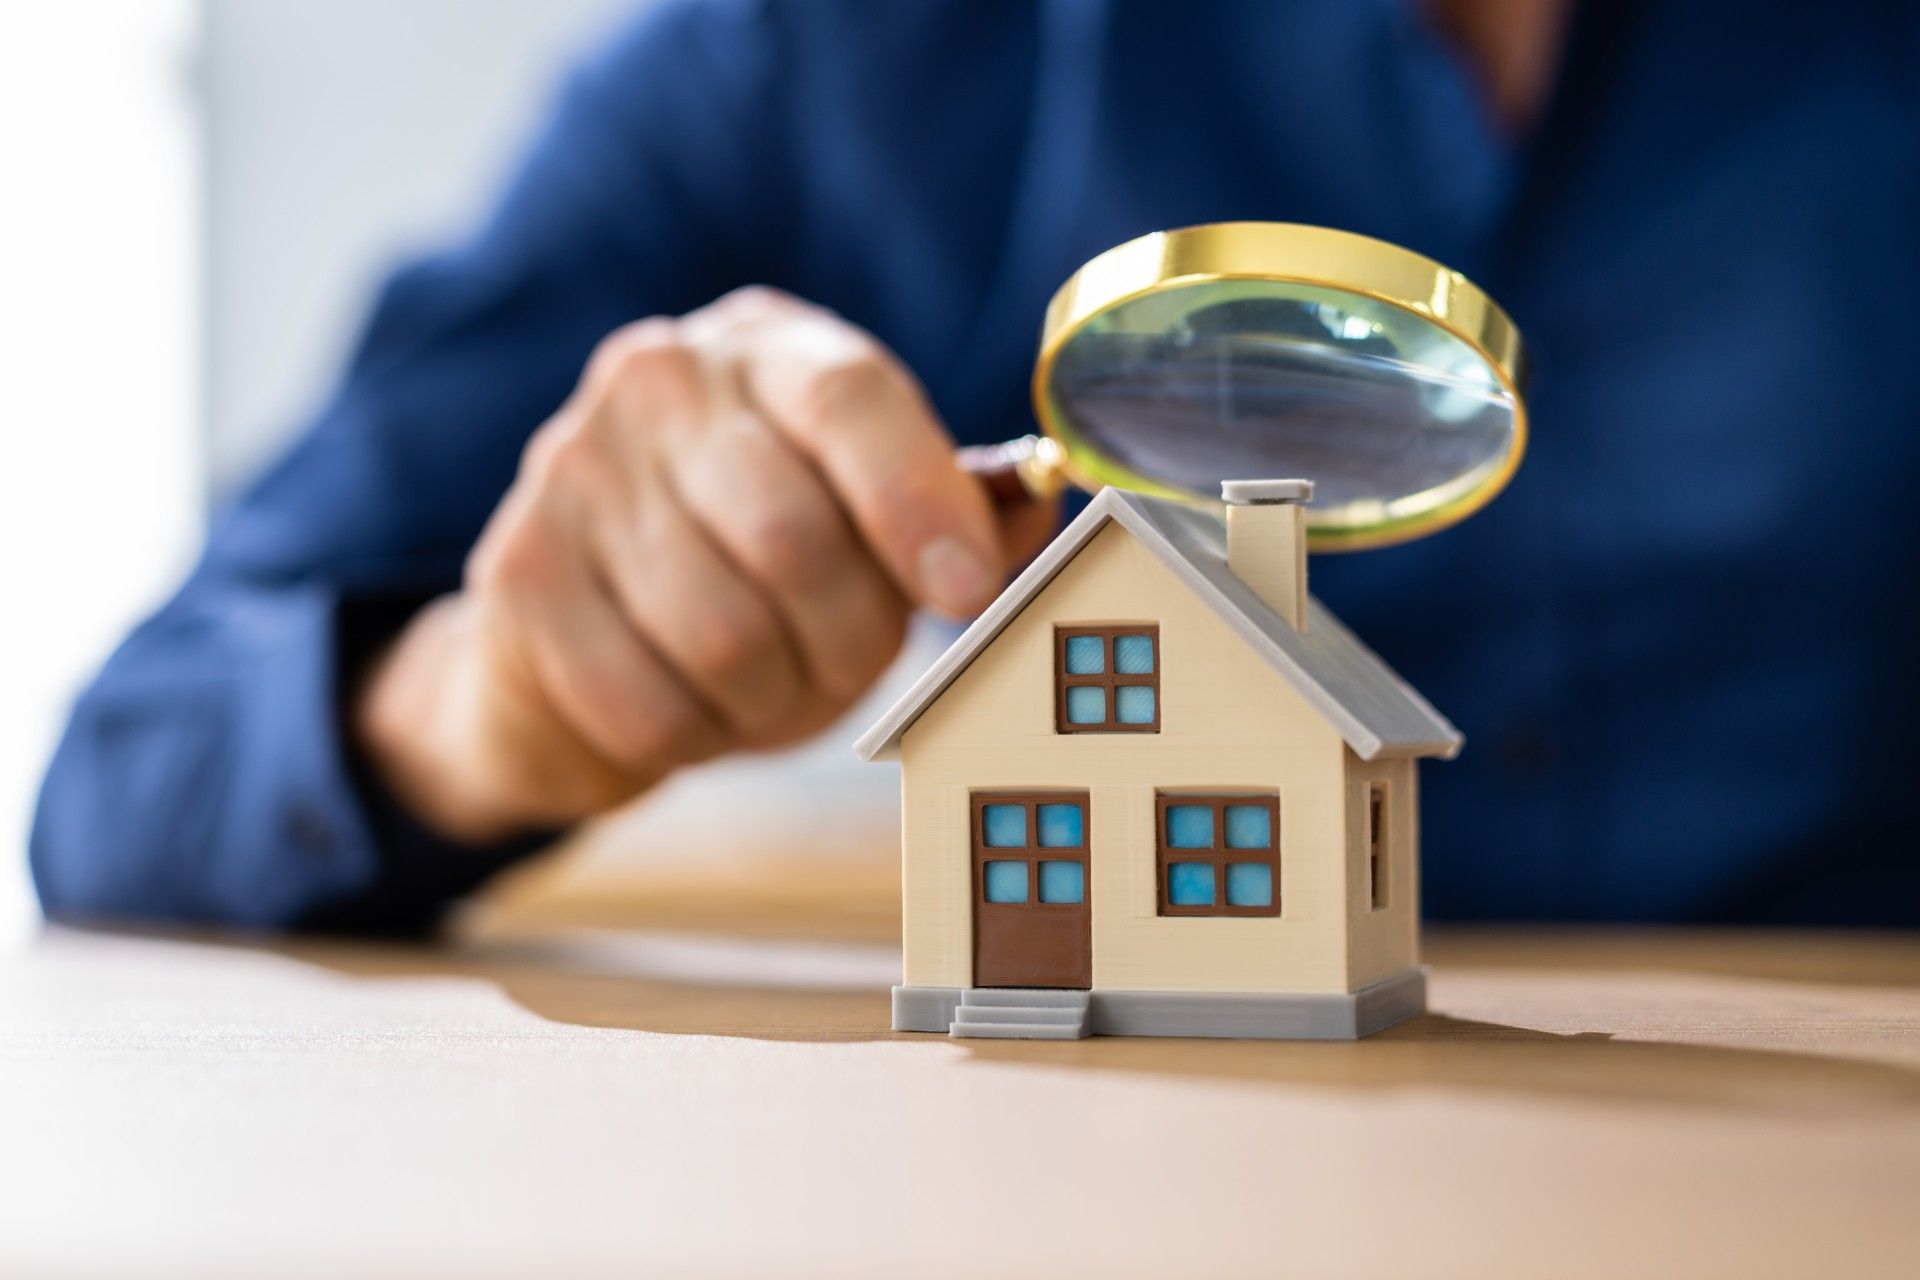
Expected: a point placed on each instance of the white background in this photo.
(196, 201)
(339, 136)
(199, 200)
(100, 497)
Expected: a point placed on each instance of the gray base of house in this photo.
(1223, 1015)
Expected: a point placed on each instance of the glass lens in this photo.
(1180, 388)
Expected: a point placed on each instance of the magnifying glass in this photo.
(1241, 350)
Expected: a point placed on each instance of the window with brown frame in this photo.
(1107, 679)
(1218, 855)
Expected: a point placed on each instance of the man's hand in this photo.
(714, 545)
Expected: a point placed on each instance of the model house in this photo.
(1157, 789)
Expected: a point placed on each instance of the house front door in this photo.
(1032, 925)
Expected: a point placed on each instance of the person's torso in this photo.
(1678, 645)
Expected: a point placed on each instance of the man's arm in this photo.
(205, 774)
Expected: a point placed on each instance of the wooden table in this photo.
(694, 1076)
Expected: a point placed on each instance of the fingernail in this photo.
(953, 577)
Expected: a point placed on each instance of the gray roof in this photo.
(1376, 711)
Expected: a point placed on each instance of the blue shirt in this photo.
(1681, 645)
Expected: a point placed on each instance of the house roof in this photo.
(1376, 711)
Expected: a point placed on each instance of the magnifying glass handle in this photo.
(1016, 471)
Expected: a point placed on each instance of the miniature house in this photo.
(1156, 789)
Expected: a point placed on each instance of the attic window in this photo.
(1377, 844)
(1107, 679)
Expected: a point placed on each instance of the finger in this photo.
(710, 622)
(653, 397)
(774, 516)
(855, 413)
(1025, 527)
(600, 678)
(620, 696)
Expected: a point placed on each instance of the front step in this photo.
(1004, 1013)
(1014, 1031)
(1045, 1015)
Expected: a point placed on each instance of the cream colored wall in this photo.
(1384, 942)
(1227, 723)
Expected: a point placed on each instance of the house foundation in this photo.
(1212, 1015)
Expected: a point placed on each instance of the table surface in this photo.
(692, 1074)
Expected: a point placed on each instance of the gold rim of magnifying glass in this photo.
(1299, 254)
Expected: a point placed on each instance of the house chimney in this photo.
(1267, 541)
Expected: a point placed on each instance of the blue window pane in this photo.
(1006, 882)
(1250, 884)
(1133, 655)
(1062, 882)
(1133, 704)
(1086, 655)
(1060, 826)
(1086, 704)
(1004, 826)
(1190, 884)
(1249, 826)
(1190, 826)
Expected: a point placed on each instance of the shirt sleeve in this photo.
(204, 775)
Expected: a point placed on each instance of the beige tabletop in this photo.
(691, 1074)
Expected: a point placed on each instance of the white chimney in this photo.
(1267, 541)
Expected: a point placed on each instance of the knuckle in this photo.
(630, 343)
(861, 655)
(575, 464)
(790, 550)
(654, 333)
(669, 731)
(651, 720)
(515, 560)
(732, 648)
(647, 363)
(756, 299)
(910, 503)
(737, 659)
(662, 366)
(537, 458)
(840, 386)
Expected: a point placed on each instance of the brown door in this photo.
(1031, 922)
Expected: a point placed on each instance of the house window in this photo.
(1031, 848)
(1218, 855)
(1377, 844)
(1107, 679)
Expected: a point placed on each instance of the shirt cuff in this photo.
(420, 873)
(365, 865)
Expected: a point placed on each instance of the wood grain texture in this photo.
(543, 1098)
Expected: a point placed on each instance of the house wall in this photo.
(1384, 942)
(1228, 722)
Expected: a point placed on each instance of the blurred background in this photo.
(184, 263)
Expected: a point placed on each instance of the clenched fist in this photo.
(713, 545)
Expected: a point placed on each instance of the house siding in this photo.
(1228, 723)
(1384, 942)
